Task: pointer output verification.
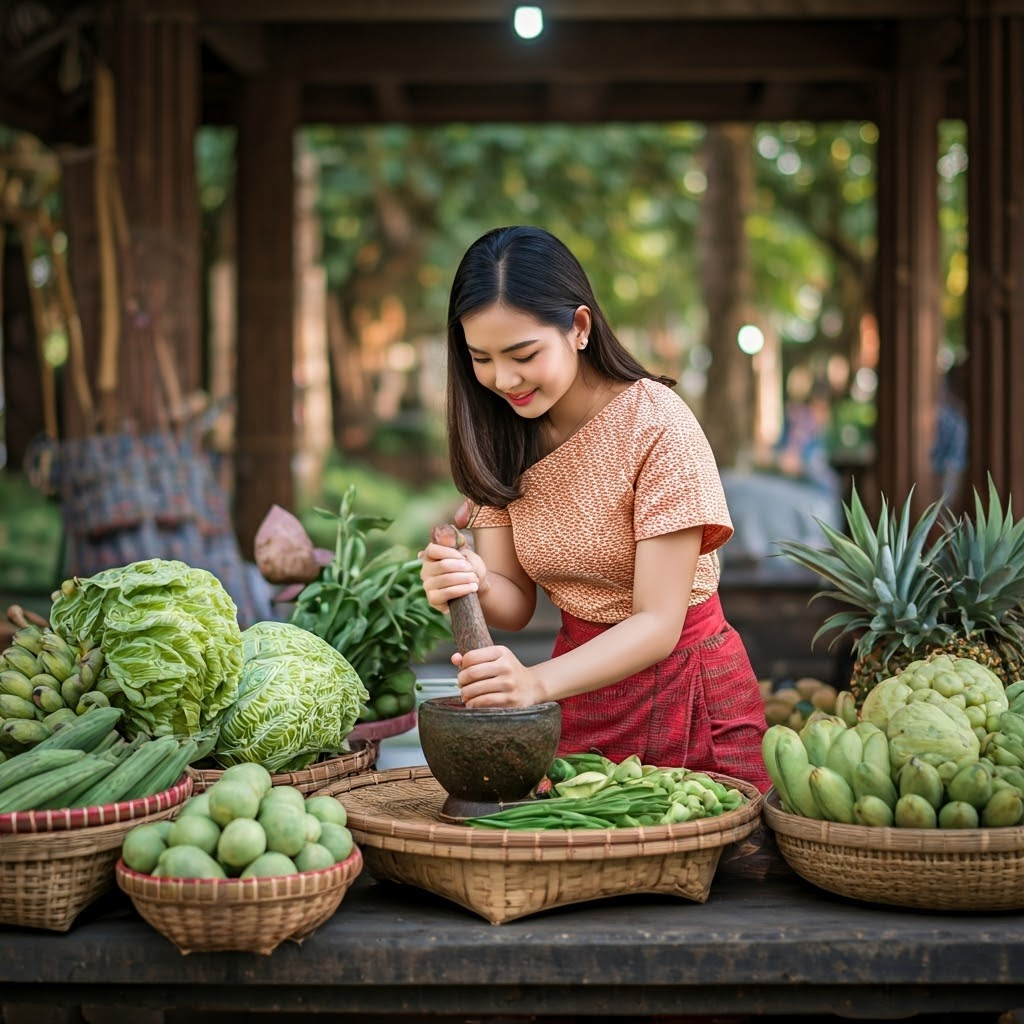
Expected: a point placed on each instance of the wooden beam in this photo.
(328, 11)
(265, 425)
(593, 104)
(243, 48)
(703, 52)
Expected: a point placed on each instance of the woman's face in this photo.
(530, 365)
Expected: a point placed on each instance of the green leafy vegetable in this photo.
(373, 611)
(171, 640)
(297, 698)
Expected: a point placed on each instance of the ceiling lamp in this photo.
(528, 22)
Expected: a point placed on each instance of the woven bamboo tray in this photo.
(252, 915)
(501, 875)
(48, 878)
(362, 757)
(977, 869)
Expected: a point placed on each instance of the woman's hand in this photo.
(448, 573)
(493, 677)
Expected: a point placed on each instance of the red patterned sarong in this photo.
(700, 708)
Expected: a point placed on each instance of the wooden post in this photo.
(909, 319)
(156, 69)
(265, 425)
(995, 291)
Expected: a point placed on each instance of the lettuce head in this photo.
(171, 640)
(298, 698)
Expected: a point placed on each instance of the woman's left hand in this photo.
(493, 677)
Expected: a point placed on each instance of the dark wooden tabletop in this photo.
(771, 947)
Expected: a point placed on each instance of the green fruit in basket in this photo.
(958, 814)
(327, 808)
(914, 811)
(142, 848)
(285, 828)
(241, 842)
(187, 862)
(195, 830)
(198, 804)
(386, 705)
(337, 839)
(313, 828)
(287, 795)
(163, 828)
(271, 864)
(314, 857)
(255, 774)
(232, 798)
(402, 681)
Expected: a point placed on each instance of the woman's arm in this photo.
(662, 582)
(508, 597)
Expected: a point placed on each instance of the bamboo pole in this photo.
(110, 300)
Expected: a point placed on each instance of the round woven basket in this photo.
(48, 878)
(974, 869)
(21, 822)
(501, 875)
(361, 758)
(253, 915)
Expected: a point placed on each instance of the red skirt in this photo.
(700, 708)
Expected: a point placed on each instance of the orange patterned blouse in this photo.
(640, 468)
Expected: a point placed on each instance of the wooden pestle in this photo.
(468, 626)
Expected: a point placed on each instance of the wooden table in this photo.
(773, 947)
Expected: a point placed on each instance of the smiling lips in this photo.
(522, 399)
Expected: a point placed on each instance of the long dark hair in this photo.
(529, 270)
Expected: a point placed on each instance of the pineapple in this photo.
(983, 568)
(887, 575)
(961, 594)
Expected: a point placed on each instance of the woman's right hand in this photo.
(448, 573)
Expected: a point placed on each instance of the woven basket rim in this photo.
(881, 839)
(237, 890)
(316, 774)
(70, 819)
(553, 843)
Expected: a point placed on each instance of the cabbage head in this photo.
(298, 698)
(170, 637)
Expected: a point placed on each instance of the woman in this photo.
(591, 478)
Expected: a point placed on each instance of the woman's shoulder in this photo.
(651, 403)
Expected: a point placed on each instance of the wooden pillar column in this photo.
(155, 62)
(995, 292)
(909, 321)
(265, 424)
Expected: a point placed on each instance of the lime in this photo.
(187, 862)
(386, 705)
(142, 848)
(270, 865)
(327, 808)
(255, 774)
(195, 830)
(232, 798)
(314, 857)
(285, 828)
(337, 839)
(241, 842)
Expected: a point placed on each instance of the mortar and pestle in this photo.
(484, 758)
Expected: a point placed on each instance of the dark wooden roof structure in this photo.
(267, 67)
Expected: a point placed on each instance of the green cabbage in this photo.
(298, 698)
(171, 640)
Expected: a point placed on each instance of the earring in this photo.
(583, 343)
